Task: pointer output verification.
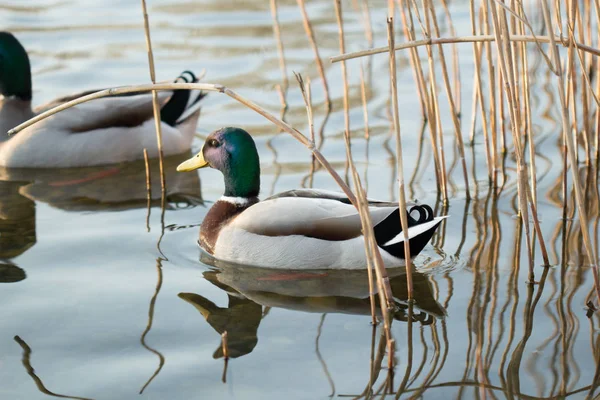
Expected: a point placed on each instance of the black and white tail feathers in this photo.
(389, 236)
(183, 103)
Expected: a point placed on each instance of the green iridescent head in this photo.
(233, 152)
(15, 70)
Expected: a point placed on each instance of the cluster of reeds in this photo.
(503, 40)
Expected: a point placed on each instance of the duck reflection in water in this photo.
(17, 230)
(111, 187)
(106, 188)
(249, 289)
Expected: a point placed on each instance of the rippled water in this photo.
(93, 308)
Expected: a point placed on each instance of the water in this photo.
(98, 310)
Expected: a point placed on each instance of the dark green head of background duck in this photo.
(15, 70)
(233, 152)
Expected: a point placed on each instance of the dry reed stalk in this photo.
(485, 22)
(435, 121)
(155, 105)
(536, 225)
(148, 189)
(597, 71)
(381, 275)
(311, 122)
(415, 63)
(453, 107)
(426, 106)
(584, 88)
(363, 96)
(463, 39)
(370, 252)
(198, 86)
(558, 16)
(528, 128)
(373, 257)
(455, 61)
(478, 91)
(340, 24)
(507, 69)
(583, 222)
(313, 43)
(501, 114)
(571, 81)
(583, 68)
(116, 92)
(277, 34)
(474, 107)
(370, 243)
(306, 96)
(367, 22)
(401, 196)
(282, 100)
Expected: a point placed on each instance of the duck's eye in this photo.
(213, 143)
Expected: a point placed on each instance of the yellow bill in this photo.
(193, 163)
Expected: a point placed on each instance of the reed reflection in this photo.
(26, 360)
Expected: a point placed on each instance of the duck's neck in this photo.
(242, 182)
(13, 111)
(223, 211)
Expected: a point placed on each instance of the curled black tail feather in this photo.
(390, 227)
(178, 103)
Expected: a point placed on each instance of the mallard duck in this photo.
(104, 131)
(298, 229)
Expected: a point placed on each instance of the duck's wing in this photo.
(319, 218)
(106, 112)
(127, 110)
(334, 220)
(332, 195)
(61, 100)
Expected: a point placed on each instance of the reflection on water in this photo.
(111, 188)
(11, 273)
(106, 188)
(26, 360)
(240, 319)
(17, 221)
(250, 289)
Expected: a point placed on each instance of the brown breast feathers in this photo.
(217, 217)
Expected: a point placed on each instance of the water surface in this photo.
(99, 309)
